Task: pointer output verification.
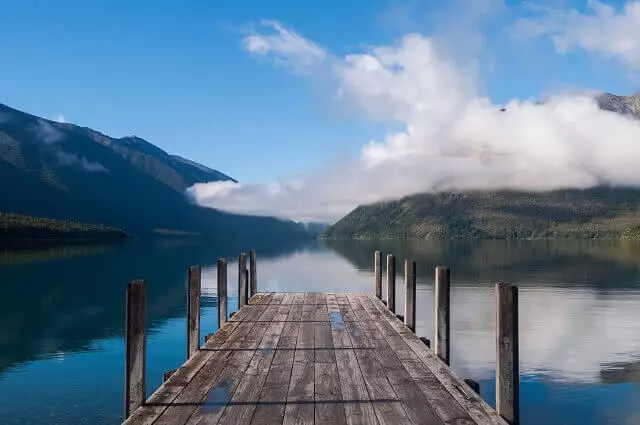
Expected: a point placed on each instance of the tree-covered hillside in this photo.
(593, 213)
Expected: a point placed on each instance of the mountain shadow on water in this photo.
(70, 297)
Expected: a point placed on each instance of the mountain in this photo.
(63, 171)
(625, 105)
(598, 212)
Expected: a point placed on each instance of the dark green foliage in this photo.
(593, 213)
(21, 227)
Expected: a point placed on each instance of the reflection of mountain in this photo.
(615, 373)
(64, 305)
(578, 302)
(601, 264)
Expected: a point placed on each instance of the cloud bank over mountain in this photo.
(449, 135)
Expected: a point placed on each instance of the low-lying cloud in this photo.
(451, 137)
(51, 136)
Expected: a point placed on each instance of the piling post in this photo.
(391, 282)
(507, 365)
(136, 346)
(193, 310)
(222, 291)
(253, 273)
(442, 297)
(410, 294)
(242, 280)
(378, 274)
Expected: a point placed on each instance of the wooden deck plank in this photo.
(273, 396)
(479, 411)
(315, 358)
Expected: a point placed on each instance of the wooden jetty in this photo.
(323, 358)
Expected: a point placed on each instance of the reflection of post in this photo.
(410, 294)
(242, 284)
(442, 313)
(193, 310)
(391, 282)
(222, 291)
(507, 366)
(136, 346)
(253, 273)
(378, 273)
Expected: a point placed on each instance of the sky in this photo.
(316, 107)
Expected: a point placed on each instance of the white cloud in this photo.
(451, 138)
(47, 133)
(604, 30)
(67, 159)
(60, 118)
(285, 46)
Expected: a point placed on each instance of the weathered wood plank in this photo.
(442, 297)
(253, 273)
(193, 310)
(479, 411)
(327, 393)
(377, 273)
(136, 346)
(410, 294)
(391, 282)
(244, 401)
(242, 280)
(300, 397)
(358, 409)
(222, 291)
(169, 390)
(507, 365)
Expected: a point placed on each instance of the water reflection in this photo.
(62, 318)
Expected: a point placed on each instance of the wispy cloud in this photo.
(450, 137)
(604, 29)
(284, 46)
(67, 159)
(60, 118)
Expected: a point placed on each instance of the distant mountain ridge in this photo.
(625, 105)
(594, 213)
(63, 171)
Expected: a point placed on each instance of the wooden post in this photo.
(242, 282)
(136, 346)
(507, 366)
(247, 287)
(378, 273)
(391, 282)
(442, 297)
(222, 291)
(253, 273)
(193, 310)
(410, 294)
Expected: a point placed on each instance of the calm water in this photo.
(62, 318)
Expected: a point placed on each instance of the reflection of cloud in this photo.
(300, 272)
(568, 334)
(565, 334)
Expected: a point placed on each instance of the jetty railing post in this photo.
(507, 365)
(442, 331)
(222, 291)
(193, 310)
(410, 294)
(378, 273)
(391, 282)
(136, 346)
(253, 273)
(242, 280)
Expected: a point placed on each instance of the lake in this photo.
(62, 317)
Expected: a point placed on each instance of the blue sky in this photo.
(177, 74)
